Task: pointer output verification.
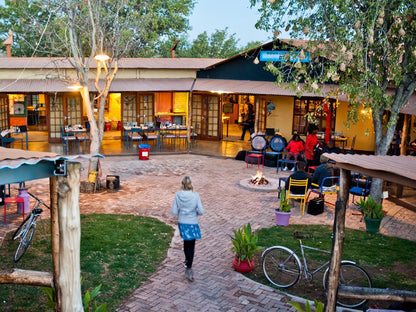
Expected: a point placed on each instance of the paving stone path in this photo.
(148, 188)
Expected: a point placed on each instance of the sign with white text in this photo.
(283, 56)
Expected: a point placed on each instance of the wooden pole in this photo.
(377, 294)
(55, 238)
(69, 279)
(403, 146)
(26, 277)
(338, 242)
(256, 122)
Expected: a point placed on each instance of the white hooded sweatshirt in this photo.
(188, 206)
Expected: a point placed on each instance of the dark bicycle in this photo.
(26, 230)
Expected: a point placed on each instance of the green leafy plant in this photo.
(86, 300)
(370, 208)
(319, 307)
(244, 243)
(284, 202)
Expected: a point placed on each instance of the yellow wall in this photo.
(282, 117)
(363, 142)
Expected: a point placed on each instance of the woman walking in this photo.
(187, 205)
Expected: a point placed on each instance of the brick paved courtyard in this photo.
(148, 188)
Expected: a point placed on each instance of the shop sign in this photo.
(283, 56)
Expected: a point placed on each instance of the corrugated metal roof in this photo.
(398, 169)
(11, 158)
(147, 63)
(162, 84)
(33, 85)
(249, 87)
(177, 84)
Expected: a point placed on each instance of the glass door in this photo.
(4, 112)
(56, 117)
(205, 116)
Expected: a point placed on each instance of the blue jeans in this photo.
(245, 128)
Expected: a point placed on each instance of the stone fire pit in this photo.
(267, 185)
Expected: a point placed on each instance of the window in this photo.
(314, 107)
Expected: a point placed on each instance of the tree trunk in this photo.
(69, 279)
(382, 146)
(338, 242)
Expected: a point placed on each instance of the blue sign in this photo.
(283, 56)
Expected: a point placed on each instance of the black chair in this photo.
(274, 149)
(258, 145)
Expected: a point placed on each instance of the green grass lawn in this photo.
(117, 251)
(390, 261)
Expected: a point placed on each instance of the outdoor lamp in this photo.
(75, 87)
(102, 57)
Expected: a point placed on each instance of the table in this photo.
(160, 132)
(336, 139)
(79, 132)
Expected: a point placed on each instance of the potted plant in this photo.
(244, 246)
(283, 212)
(373, 213)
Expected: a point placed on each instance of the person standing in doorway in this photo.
(187, 206)
(248, 123)
(310, 144)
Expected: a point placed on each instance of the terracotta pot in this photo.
(243, 267)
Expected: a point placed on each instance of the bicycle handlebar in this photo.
(38, 200)
(301, 235)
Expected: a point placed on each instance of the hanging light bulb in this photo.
(256, 60)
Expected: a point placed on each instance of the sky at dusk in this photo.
(209, 15)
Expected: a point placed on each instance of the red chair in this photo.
(258, 144)
(13, 200)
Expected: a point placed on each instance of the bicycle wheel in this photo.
(24, 244)
(351, 275)
(21, 226)
(281, 266)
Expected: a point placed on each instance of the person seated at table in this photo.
(331, 148)
(321, 172)
(300, 174)
(413, 147)
(294, 148)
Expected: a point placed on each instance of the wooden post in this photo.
(256, 121)
(338, 242)
(69, 279)
(386, 294)
(55, 239)
(403, 146)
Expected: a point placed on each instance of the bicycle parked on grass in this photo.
(26, 230)
(283, 268)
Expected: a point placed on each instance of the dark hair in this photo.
(313, 127)
(301, 165)
(295, 136)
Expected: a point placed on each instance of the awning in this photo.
(397, 169)
(18, 165)
(179, 85)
